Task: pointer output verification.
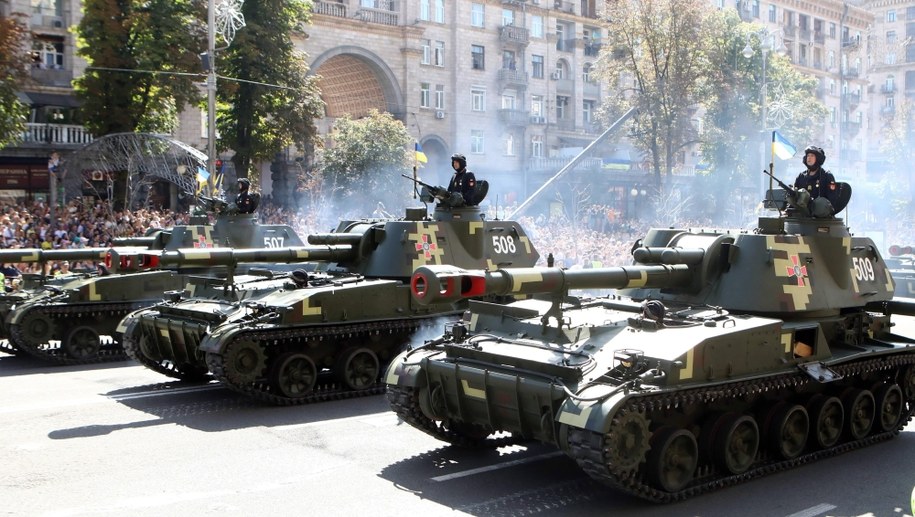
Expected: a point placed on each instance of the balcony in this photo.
(850, 42)
(510, 78)
(790, 31)
(565, 45)
(592, 49)
(888, 89)
(554, 164)
(48, 22)
(804, 35)
(851, 99)
(819, 38)
(888, 111)
(58, 135)
(850, 127)
(509, 34)
(590, 89)
(851, 72)
(514, 118)
(52, 77)
(335, 9)
(379, 16)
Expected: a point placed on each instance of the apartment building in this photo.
(506, 82)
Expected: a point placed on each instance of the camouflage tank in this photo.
(64, 323)
(328, 331)
(902, 266)
(723, 356)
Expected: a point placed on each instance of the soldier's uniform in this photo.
(463, 181)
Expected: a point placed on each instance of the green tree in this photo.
(367, 157)
(14, 63)
(733, 133)
(124, 40)
(656, 47)
(274, 102)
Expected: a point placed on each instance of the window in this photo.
(477, 57)
(891, 102)
(910, 80)
(439, 55)
(587, 111)
(586, 70)
(48, 54)
(536, 105)
(427, 52)
(832, 87)
(831, 59)
(439, 13)
(562, 103)
(508, 101)
(832, 30)
(47, 7)
(754, 6)
(439, 96)
(510, 145)
(508, 60)
(476, 141)
(477, 99)
(536, 26)
(890, 38)
(559, 71)
(424, 10)
(890, 16)
(476, 14)
(890, 83)
(832, 115)
(508, 17)
(772, 14)
(537, 67)
(424, 95)
(537, 146)
(890, 58)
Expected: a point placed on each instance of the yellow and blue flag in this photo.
(202, 176)
(781, 147)
(420, 155)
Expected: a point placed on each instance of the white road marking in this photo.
(473, 472)
(813, 511)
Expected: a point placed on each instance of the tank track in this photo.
(167, 368)
(587, 447)
(54, 353)
(405, 403)
(322, 392)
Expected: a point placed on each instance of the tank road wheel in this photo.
(245, 360)
(788, 429)
(672, 459)
(861, 411)
(628, 439)
(37, 327)
(293, 374)
(357, 368)
(82, 343)
(826, 419)
(907, 383)
(888, 401)
(736, 442)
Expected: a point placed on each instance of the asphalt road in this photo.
(118, 439)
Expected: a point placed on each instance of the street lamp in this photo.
(766, 44)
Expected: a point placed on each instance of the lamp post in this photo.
(766, 44)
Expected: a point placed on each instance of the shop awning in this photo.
(48, 99)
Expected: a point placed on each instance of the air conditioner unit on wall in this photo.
(555, 76)
(439, 114)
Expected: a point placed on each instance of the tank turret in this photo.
(63, 321)
(902, 266)
(721, 356)
(329, 330)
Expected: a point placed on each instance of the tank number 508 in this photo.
(503, 244)
(864, 269)
(273, 242)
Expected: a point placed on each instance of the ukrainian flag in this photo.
(781, 147)
(420, 155)
(202, 176)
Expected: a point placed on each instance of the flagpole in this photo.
(772, 163)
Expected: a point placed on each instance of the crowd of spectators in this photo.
(572, 244)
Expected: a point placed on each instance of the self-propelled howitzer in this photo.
(725, 355)
(64, 323)
(328, 331)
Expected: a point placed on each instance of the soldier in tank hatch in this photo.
(244, 201)
(463, 182)
(816, 180)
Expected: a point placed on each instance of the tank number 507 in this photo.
(864, 269)
(273, 242)
(503, 244)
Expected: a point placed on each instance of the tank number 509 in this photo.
(864, 269)
(503, 244)
(273, 242)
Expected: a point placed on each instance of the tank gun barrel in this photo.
(231, 257)
(331, 239)
(436, 284)
(31, 255)
(646, 255)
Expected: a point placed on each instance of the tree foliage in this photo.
(149, 35)
(656, 46)
(367, 157)
(259, 120)
(14, 63)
